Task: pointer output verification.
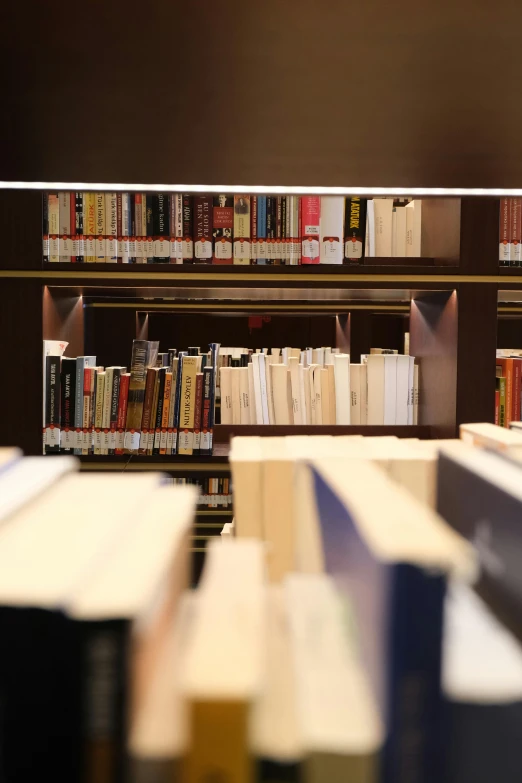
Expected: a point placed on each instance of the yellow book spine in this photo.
(89, 226)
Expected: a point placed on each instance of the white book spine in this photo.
(244, 395)
(226, 395)
(332, 230)
(411, 389)
(364, 393)
(375, 381)
(269, 389)
(341, 363)
(390, 389)
(304, 392)
(403, 372)
(413, 229)
(370, 233)
(263, 372)
(251, 394)
(383, 210)
(235, 395)
(256, 371)
(400, 223)
(318, 395)
(416, 393)
(355, 394)
(296, 390)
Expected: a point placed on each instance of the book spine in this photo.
(124, 228)
(502, 401)
(52, 405)
(222, 229)
(202, 232)
(119, 227)
(176, 229)
(285, 255)
(188, 219)
(89, 224)
(354, 230)
(45, 228)
(177, 405)
(507, 372)
(517, 366)
(277, 248)
(254, 249)
(149, 202)
(138, 220)
(505, 232)
(167, 397)
(73, 233)
(98, 412)
(242, 230)
(161, 217)
(214, 353)
(115, 398)
(100, 227)
(497, 407)
(122, 413)
(132, 228)
(53, 215)
(261, 230)
(311, 229)
(197, 413)
(270, 229)
(205, 448)
(68, 397)
(187, 405)
(111, 228)
(147, 410)
(139, 362)
(332, 230)
(79, 228)
(159, 411)
(88, 385)
(65, 241)
(516, 232)
(106, 410)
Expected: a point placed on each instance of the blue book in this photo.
(81, 363)
(261, 223)
(177, 403)
(390, 556)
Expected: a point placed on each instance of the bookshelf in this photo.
(449, 305)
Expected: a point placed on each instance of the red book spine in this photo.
(507, 373)
(197, 413)
(122, 412)
(254, 254)
(73, 237)
(310, 229)
(505, 231)
(119, 230)
(517, 379)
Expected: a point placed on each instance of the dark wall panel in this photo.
(237, 92)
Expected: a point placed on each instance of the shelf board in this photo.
(217, 513)
(223, 432)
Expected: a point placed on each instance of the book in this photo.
(88, 393)
(198, 414)
(332, 229)
(203, 217)
(188, 370)
(167, 395)
(310, 229)
(99, 218)
(504, 251)
(413, 228)
(515, 254)
(67, 404)
(114, 403)
(138, 368)
(399, 232)
(122, 413)
(281, 386)
(148, 200)
(188, 213)
(376, 388)
(89, 225)
(161, 228)
(81, 363)
(261, 257)
(79, 239)
(341, 363)
(176, 228)
(98, 412)
(354, 229)
(52, 405)
(111, 228)
(45, 229)
(154, 447)
(242, 230)
(383, 210)
(53, 219)
(222, 229)
(65, 228)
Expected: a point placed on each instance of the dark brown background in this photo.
(240, 92)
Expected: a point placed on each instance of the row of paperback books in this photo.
(141, 228)
(317, 386)
(213, 492)
(508, 382)
(510, 232)
(165, 404)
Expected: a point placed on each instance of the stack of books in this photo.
(165, 404)
(164, 228)
(316, 386)
(510, 232)
(508, 383)
(213, 492)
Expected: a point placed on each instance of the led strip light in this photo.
(261, 189)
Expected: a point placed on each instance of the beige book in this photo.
(491, 436)
(106, 410)
(416, 393)
(375, 379)
(224, 669)
(269, 389)
(245, 459)
(355, 393)
(225, 375)
(235, 394)
(278, 517)
(341, 730)
(98, 413)
(100, 226)
(244, 395)
(189, 368)
(304, 389)
(364, 393)
(318, 395)
(311, 370)
(341, 363)
(331, 390)
(282, 394)
(325, 396)
(275, 355)
(258, 390)
(413, 228)
(295, 390)
(251, 394)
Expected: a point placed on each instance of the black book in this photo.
(45, 228)
(284, 246)
(132, 228)
(52, 404)
(68, 401)
(79, 239)
(159, 410)
(354, 230)
(177, 404)
(271, 209)
(193, 350)
(115, 396)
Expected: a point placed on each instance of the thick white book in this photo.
(28, 478)
(403, 389)
(411, 389)
(390, 388)
(355, 393)
(364, 394)
(311, 386)
(282, 394)
(325, 395)
(341, 363)
(295, 388)
(244, 395)
(251, 394)
(413, 228)
(327, 355)
(247, 476)
(236, 395)
(331, 392)
(304, 390)
(269, 390)
(383, 210)
(332, 230)
(263, 372)
(225, 377)
(318, 395)
(415, 393)
(370, 231)
(256, 377)
(375, 380)
(399, 232)
(318, 356)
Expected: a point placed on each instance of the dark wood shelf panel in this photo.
(375, 267)
(224, 432)
(509, 271)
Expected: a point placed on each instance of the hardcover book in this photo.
(68, 400)
(202, 229)
(189, 368)
(161, 219)
(355, 229)
(311, 229)
(242, 230)
(222, 229)
(138, 369)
